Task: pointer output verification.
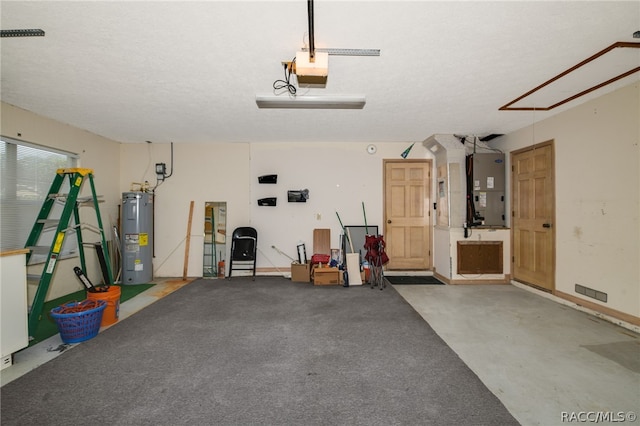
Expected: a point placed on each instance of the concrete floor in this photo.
(545, 360)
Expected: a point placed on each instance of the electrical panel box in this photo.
(488, 189)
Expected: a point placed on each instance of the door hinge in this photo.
(513, 259)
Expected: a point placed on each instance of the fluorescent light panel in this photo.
(311, 101)
(350, 52)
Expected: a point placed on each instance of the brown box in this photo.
(326, 276)
(301, 272)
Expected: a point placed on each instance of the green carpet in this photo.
(47, 328)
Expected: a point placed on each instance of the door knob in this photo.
(546, 225)
(388, 220)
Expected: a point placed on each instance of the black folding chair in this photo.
(244, 246)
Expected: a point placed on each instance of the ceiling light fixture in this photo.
(348, 52)
(311, 101)
(22, 33)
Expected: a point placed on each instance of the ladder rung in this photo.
(89, 198)
(49, 223)
(39, 249)
(62, 198)
(87, 244)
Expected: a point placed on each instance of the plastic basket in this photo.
(80, 326)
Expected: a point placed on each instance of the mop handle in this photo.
(366, 227)
(281, 252)
(343, 230)
(340, 220)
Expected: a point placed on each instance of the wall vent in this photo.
(480, 257)
(589, 292)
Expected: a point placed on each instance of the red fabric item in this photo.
(375, 250)
(320, 258)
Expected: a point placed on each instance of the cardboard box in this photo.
(327, 276)
(301, 272)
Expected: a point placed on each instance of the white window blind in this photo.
(26, 174)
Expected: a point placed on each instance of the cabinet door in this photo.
(14, 334)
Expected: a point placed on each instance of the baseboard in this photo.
(621, 316)
(440, 277)
(613, 316)
(286, 271)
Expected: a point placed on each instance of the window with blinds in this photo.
(26, 174)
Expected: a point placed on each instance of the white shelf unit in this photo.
(14, 334)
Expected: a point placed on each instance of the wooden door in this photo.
(407, 214)
(533, 213)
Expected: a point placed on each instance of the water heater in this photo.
(137, 237)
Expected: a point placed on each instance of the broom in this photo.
(364, 212)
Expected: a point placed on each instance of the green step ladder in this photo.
(71, 202)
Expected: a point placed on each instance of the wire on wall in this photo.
(161, 173)
(476, 143)
(281, 85)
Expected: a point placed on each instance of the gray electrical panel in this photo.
(137, 237)
(488, 189)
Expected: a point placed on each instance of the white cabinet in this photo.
(14, 334)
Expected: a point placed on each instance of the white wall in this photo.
(201, 173)
(597, 163)
(339, 177)
(95, 152)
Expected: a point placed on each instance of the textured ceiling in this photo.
(188, 71)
